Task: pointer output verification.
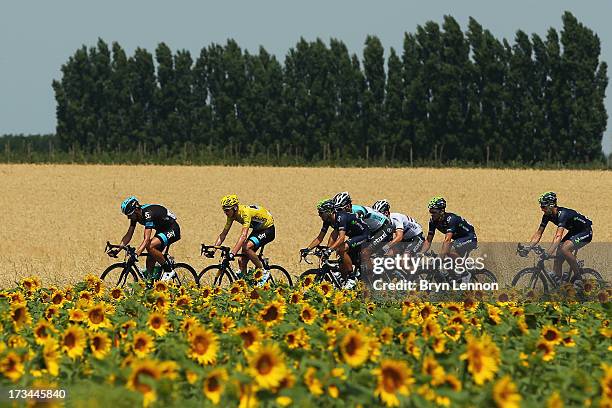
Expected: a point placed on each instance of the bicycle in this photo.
(434, 274)
(225, 275)
(328, 270)
(538, 278)
(128, 270)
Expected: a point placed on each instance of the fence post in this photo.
(411, 156)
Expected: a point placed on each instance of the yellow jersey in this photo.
(251, 216)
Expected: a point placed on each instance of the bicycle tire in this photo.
(123, 278)
(486, 276)
(282, 275)
(533, 276)
(321, 276)
(590, 274)
(185, 275)
(214, 275)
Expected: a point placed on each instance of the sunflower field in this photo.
(312, 346)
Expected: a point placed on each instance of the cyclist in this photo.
(153, 217)
(574, 231)
(347, 225)
(407, 230)
(459, 235)
(381, 227)
(325, 209)
(250, 216)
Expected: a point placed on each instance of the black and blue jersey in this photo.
(453, 223)
(569, 219)
(157, 217)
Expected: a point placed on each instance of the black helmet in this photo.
(548, 199)
(341, 200)
(437, 203)
(325, 206)
(381, 206)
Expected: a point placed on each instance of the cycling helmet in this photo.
(381, 206)
(325, 206)
(129, 205)
(548, 199)
(437, 203)
(229, 201)
(341, 200)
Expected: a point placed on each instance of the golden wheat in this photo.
(56, 219)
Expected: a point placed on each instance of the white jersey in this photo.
(373, 219)
(409, 225)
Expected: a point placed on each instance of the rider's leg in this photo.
(154, 249)
(249, 249)
(558, 263)
(567, 249)
(346, 264)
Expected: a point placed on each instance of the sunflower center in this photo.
(57, 299)
(213, 384)
(271, 314)
(70, 340)
(306, 315)
(352, 346)
(96, 316)
(140, 343)
(550, 335)
(156, 322)
(200, 344)
(392, 379)
(19, 315)
(248, 337)
(264, 364)
(41, 332)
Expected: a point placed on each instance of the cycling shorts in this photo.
(465, 244)
(413, 244)
(579, 239)
(169, 236)
(263, 237)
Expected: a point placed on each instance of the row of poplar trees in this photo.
(449, 95)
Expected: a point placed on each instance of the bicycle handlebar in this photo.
(129, 250)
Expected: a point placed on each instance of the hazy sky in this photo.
(37, 37)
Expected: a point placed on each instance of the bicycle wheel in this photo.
(279, 276)
(589, 275)
(531, 278)
(118, 275)
(483, 276)
(214, 275)
(185, 275)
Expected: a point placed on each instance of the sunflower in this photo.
(307, 281)
(453, 331)
(308, 314)
(452, 382)
(432, 368)
(568, 339)
(551, 335)
(160, 286)
(606, 384)
(169, 369)
(431, 328)
(505, 393)
(147, 370)
(42, 332)
(266, 366)
(547, 349)
(76, 315)
(51, 312)
(325, 288)
(51, 356)
(116, 294)
(160, 301)
(555, 401)
(11, 366)
(125, 328)
(227, 323)
(202, 346)
(494, 314)
(333, 391)
(31, 283)
(20, 315)
(386, 335)
(191, 376)
(214, 384)
(183, 302)
(249, 335)
(272, 313)
(248, 395)
(158, 324)
(100, 345)
(142, 344)
(315, 387)
(296, 297)
(96, 317)
(188, 322)
(298, 339)
(74, 341)
(483, 358)
(16, 297)
(394, 377)
(355, 348)
(411, 347)
(57, 298)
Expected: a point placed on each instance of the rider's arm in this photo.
(536, 237)
(332, 238)
(556, 240)
(223, 234)
(128, 235)
(339, 240)
(317, 240)
(397, 237)
(243, 236)
(145, 241)
(446, 244)
(427, 243)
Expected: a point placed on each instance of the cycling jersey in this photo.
(251, 216)
(351, 225)
(452, 223)
(371, 217)
(410, 227)
(569, 219)
(157, 217)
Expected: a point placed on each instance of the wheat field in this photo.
(56, 219)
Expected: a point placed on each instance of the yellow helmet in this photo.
(229, 201)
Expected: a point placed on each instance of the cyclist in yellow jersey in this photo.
(251, 217)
